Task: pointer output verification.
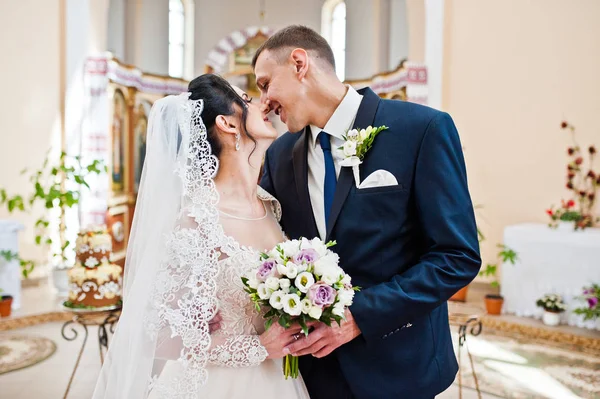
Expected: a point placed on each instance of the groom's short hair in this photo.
(297, 36)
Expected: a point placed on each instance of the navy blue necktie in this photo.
(330, 177)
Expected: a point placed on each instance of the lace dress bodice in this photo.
(236, 343)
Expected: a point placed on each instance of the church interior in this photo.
(519, 78)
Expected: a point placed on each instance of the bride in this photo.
(199, 222)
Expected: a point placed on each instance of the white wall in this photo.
(398, 37)
(117, 19)
(29, 116)
(154, 37)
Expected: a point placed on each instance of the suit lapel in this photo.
(300, 161)
(364, 118)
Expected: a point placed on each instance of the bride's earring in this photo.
(237, 142)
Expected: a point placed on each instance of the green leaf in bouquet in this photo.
(331, 244)
(264, 256)
(302, 323)
(257, 306)
(268, 323)
(245, 281)
(271, 313)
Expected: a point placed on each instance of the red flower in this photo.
(570, 204)
(582, 193)
(598, 180)
(571, 175)
(564, 125)
(570, 167)
(549, 212)
(591, 174)
(570, 186)
(571, 150)
(579, 161)
(591, 196)
(592, 150)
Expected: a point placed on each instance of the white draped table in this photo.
(560, 261)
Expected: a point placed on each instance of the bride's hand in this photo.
(276, 338)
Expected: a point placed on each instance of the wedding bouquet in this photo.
(300, 281)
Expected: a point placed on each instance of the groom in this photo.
(407, 235)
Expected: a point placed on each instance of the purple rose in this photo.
(306, 256)
(592, 302)
(266, 269)
(587, 292)
(320, 294)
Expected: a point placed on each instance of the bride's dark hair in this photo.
(219, 97)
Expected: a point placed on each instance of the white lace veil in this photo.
(172, 262)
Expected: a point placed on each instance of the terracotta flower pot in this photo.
(493, 304)
(460, 296)
(5, 305)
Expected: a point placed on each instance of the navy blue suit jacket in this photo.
(410, 247)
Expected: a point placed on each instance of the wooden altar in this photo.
(120, 97)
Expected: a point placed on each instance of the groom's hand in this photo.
(323, 339)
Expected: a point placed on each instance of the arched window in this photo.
(181, 36)
(333, 29)
(176, 38)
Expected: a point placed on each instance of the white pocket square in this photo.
(379, 178)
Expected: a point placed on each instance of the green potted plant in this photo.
(56, 188)
(553, 306)
(494, 302)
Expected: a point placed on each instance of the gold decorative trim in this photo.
(28, 321)
(554, 338)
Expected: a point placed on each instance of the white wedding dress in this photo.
(237, 366)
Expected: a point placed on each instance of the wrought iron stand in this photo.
(104, 318)
(468, 323)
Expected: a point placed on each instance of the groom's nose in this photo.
(264, 99)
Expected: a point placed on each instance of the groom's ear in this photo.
(300, 61)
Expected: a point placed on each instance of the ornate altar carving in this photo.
(120, 97)
(407, 82)
(232, 57)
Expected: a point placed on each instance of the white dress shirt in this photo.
(340, 122)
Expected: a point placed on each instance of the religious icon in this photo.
(140, 132)
(118, 142)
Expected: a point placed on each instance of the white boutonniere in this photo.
(357, 143)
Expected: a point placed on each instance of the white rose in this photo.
(292, 304)
(281, 269)
(276, 300)
(253, 281)
(338, 310)
(272, 283)
(315, 312)
(302, 268)
(264, 292)
(292, 270)
(330, 278)
(349, 148)
(276, 256)
(326, 263)
(285, 284)
(290, 248)
(319, 246)
(347, 280)
(304, 281)
(345, 297)
(306, 305)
